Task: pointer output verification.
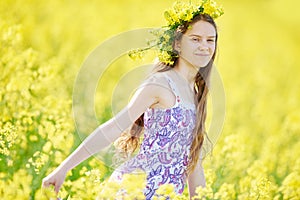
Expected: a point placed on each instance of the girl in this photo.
(170, 106)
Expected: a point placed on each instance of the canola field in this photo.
(43, 45)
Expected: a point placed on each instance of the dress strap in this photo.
(173, 87)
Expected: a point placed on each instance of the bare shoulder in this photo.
(157, 77)
(156, 82)
(158, 87)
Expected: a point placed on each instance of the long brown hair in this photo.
(129, 142)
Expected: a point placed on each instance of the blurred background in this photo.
(44, 43)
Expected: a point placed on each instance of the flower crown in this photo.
(179, 14)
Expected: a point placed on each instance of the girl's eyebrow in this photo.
(210, 36)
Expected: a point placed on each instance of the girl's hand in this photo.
(56, 178)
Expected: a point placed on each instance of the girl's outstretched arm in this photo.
(147, 95)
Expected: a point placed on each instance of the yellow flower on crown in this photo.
(179, 14)
(165, 57)
(182, 12)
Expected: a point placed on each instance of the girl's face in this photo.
(197, 44)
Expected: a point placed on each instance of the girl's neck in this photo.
(186, 71)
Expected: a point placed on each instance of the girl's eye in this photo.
(195, 39)
(210, 40)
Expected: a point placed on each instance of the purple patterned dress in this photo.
(164, 152)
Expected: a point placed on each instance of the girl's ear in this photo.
(177, 46)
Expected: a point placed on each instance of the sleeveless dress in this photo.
(164, 151)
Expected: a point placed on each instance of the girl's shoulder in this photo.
(159, 86)
(157, 78)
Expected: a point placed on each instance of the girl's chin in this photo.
(196, 63)
(201, 65)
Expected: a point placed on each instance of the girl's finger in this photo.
(56, 188)
(45, 184)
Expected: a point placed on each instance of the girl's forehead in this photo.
(201, 28)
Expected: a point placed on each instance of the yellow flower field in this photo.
(43, 45)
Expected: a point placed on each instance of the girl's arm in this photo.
(196, 179)
(106, 133)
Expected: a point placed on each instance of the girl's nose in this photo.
(203, 47)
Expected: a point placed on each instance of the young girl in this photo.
(169, 107)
